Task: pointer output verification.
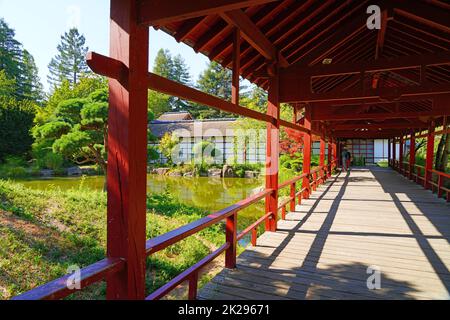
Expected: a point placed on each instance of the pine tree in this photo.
(31, 85)
(163, 64)
(180, 73)
(10, 51)
(18, 67)
(216, 81)
(174, 69)
(70, 62)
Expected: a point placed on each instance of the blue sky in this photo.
(40, 24)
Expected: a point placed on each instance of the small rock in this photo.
(47, 173)
(214, 173)
(162, 171)
(174, 174)
(74, 172)
(251, 174)
(227, 172)
(188, 174)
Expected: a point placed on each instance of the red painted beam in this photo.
(253, 35)
(161, 12)
(296, 71)
(236, 66)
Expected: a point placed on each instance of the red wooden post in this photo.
(330, 155)
(236, 66)
(389, 153)
(430, 156)
(322, 156)
(127, 153)
(272, 148)
(412, 154)
(400, 156)
(394, 154)
(193, 284)
(307, 151)
(254, 236)
(283, 213)
(231, 238)
(439, 191)
(335, 154)
(292, 195)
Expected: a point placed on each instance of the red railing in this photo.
(433, 179)
(96, 272)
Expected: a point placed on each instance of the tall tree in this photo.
(18, 67)
(31, 85)
(10, 51)
(70, 62)
(216, 81)
(175, 69)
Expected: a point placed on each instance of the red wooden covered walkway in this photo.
(349, 69)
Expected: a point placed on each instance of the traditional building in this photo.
(234, 145)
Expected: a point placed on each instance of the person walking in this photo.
(349, 160)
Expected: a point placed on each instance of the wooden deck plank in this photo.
(369, 217)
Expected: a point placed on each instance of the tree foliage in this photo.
(175, 69)
(16, 120)
(215, 80)
(18, 72)
(70, 62)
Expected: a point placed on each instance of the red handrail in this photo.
(58, 289)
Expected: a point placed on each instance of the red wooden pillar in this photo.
(127, 153)
(307, 152)
(330, 155)
(272, 147)
(231, 223)
(400, 155)
(412, 154)
(335, 153)
(236, 66)
(394, 153)
(389, 153)
(430, 156)
(322, 156)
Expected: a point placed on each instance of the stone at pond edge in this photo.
(47, 173)
(214, 173)
(227, 171)
(251, 174)
(74, 172)
(161, 171)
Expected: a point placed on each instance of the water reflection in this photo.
(210, 194)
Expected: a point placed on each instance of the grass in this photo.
(42, 233)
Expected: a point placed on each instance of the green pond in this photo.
(211, 194)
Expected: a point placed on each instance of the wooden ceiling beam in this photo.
(253, 35)
(162, 12)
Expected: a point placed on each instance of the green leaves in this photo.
(72, 144)
(70, 63)
(52, 130)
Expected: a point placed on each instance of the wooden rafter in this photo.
(253, 35)
(161, 12)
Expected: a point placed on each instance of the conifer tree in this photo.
(70, 62)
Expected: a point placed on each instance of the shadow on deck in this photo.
(368, 218)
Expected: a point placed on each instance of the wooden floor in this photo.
(369, 217)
